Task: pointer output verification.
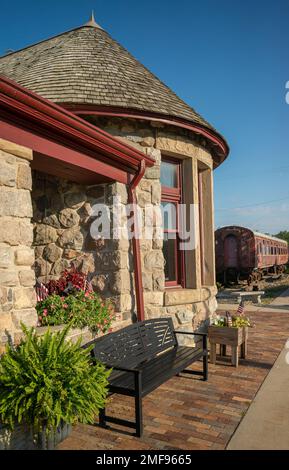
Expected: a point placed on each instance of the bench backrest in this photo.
(135, 343)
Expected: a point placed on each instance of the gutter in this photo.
(135, 242)
(37, 113)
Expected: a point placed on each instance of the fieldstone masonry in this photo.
(189, 308)
(45, 225)
(17, 278)
(62, 219)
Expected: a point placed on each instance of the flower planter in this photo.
(49, 441)
(22, 438)
(228, 336)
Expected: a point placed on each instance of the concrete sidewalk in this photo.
(282, 300)
(270, 308)
(278, 305)
(266, 423)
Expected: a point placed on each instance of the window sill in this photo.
(181, 296)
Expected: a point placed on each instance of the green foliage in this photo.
(239, 321)
(284, 235)
(236, 321)
(79, 308)
(46, 380)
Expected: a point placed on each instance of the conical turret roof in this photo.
(86, 65)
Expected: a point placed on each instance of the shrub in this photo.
(70, 279)
(46, 380)
(78, 308)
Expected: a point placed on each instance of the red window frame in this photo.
(174, 196)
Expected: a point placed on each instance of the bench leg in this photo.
(259, 301)
(138, 405)
(102, 420)
(138, 416)
(205, 367)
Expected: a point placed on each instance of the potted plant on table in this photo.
(229, 330)
(48, 384)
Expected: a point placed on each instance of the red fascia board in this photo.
(59, 152)
(216, 139)
(54, 117)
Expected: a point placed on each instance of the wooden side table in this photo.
(228, 336)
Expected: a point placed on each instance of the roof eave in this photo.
(43, 113)
(220, 148)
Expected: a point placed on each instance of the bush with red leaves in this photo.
(70, 280)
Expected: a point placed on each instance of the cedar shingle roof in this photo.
(86, 65)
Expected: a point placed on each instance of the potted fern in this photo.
(48, 384)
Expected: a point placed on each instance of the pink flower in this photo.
(86, 294)
(45, 311)
(65, 305)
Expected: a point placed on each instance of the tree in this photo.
(284, 235)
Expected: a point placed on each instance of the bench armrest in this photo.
(190, 333)
(193, 333)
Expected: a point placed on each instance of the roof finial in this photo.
(92, 17)
(92, 21)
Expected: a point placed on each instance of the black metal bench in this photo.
(143, 356)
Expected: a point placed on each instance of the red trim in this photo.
(221, 147)
(30, 111)
(56, 152)
(136, 245)
(201, 223)
(174, 196)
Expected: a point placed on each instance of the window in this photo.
(171, 198)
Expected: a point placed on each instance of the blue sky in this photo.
(229, 59)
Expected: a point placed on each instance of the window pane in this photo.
(169, 251)
(169, 174)
(169, 215)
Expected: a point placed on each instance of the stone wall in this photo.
(17, 279)
(188, 307)
(62, 218)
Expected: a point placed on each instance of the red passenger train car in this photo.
(242, 254)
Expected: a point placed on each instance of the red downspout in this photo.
(135, 243)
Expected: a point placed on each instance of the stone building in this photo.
(83, 122)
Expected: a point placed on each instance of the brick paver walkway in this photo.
(187, 413)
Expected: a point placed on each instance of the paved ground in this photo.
(282, 300)
(265, 425)
(187, 413)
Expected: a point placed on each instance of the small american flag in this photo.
(88, 286)
(229, 319)
(41, 291)
(241, 309)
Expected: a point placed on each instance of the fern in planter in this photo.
(46, 381)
